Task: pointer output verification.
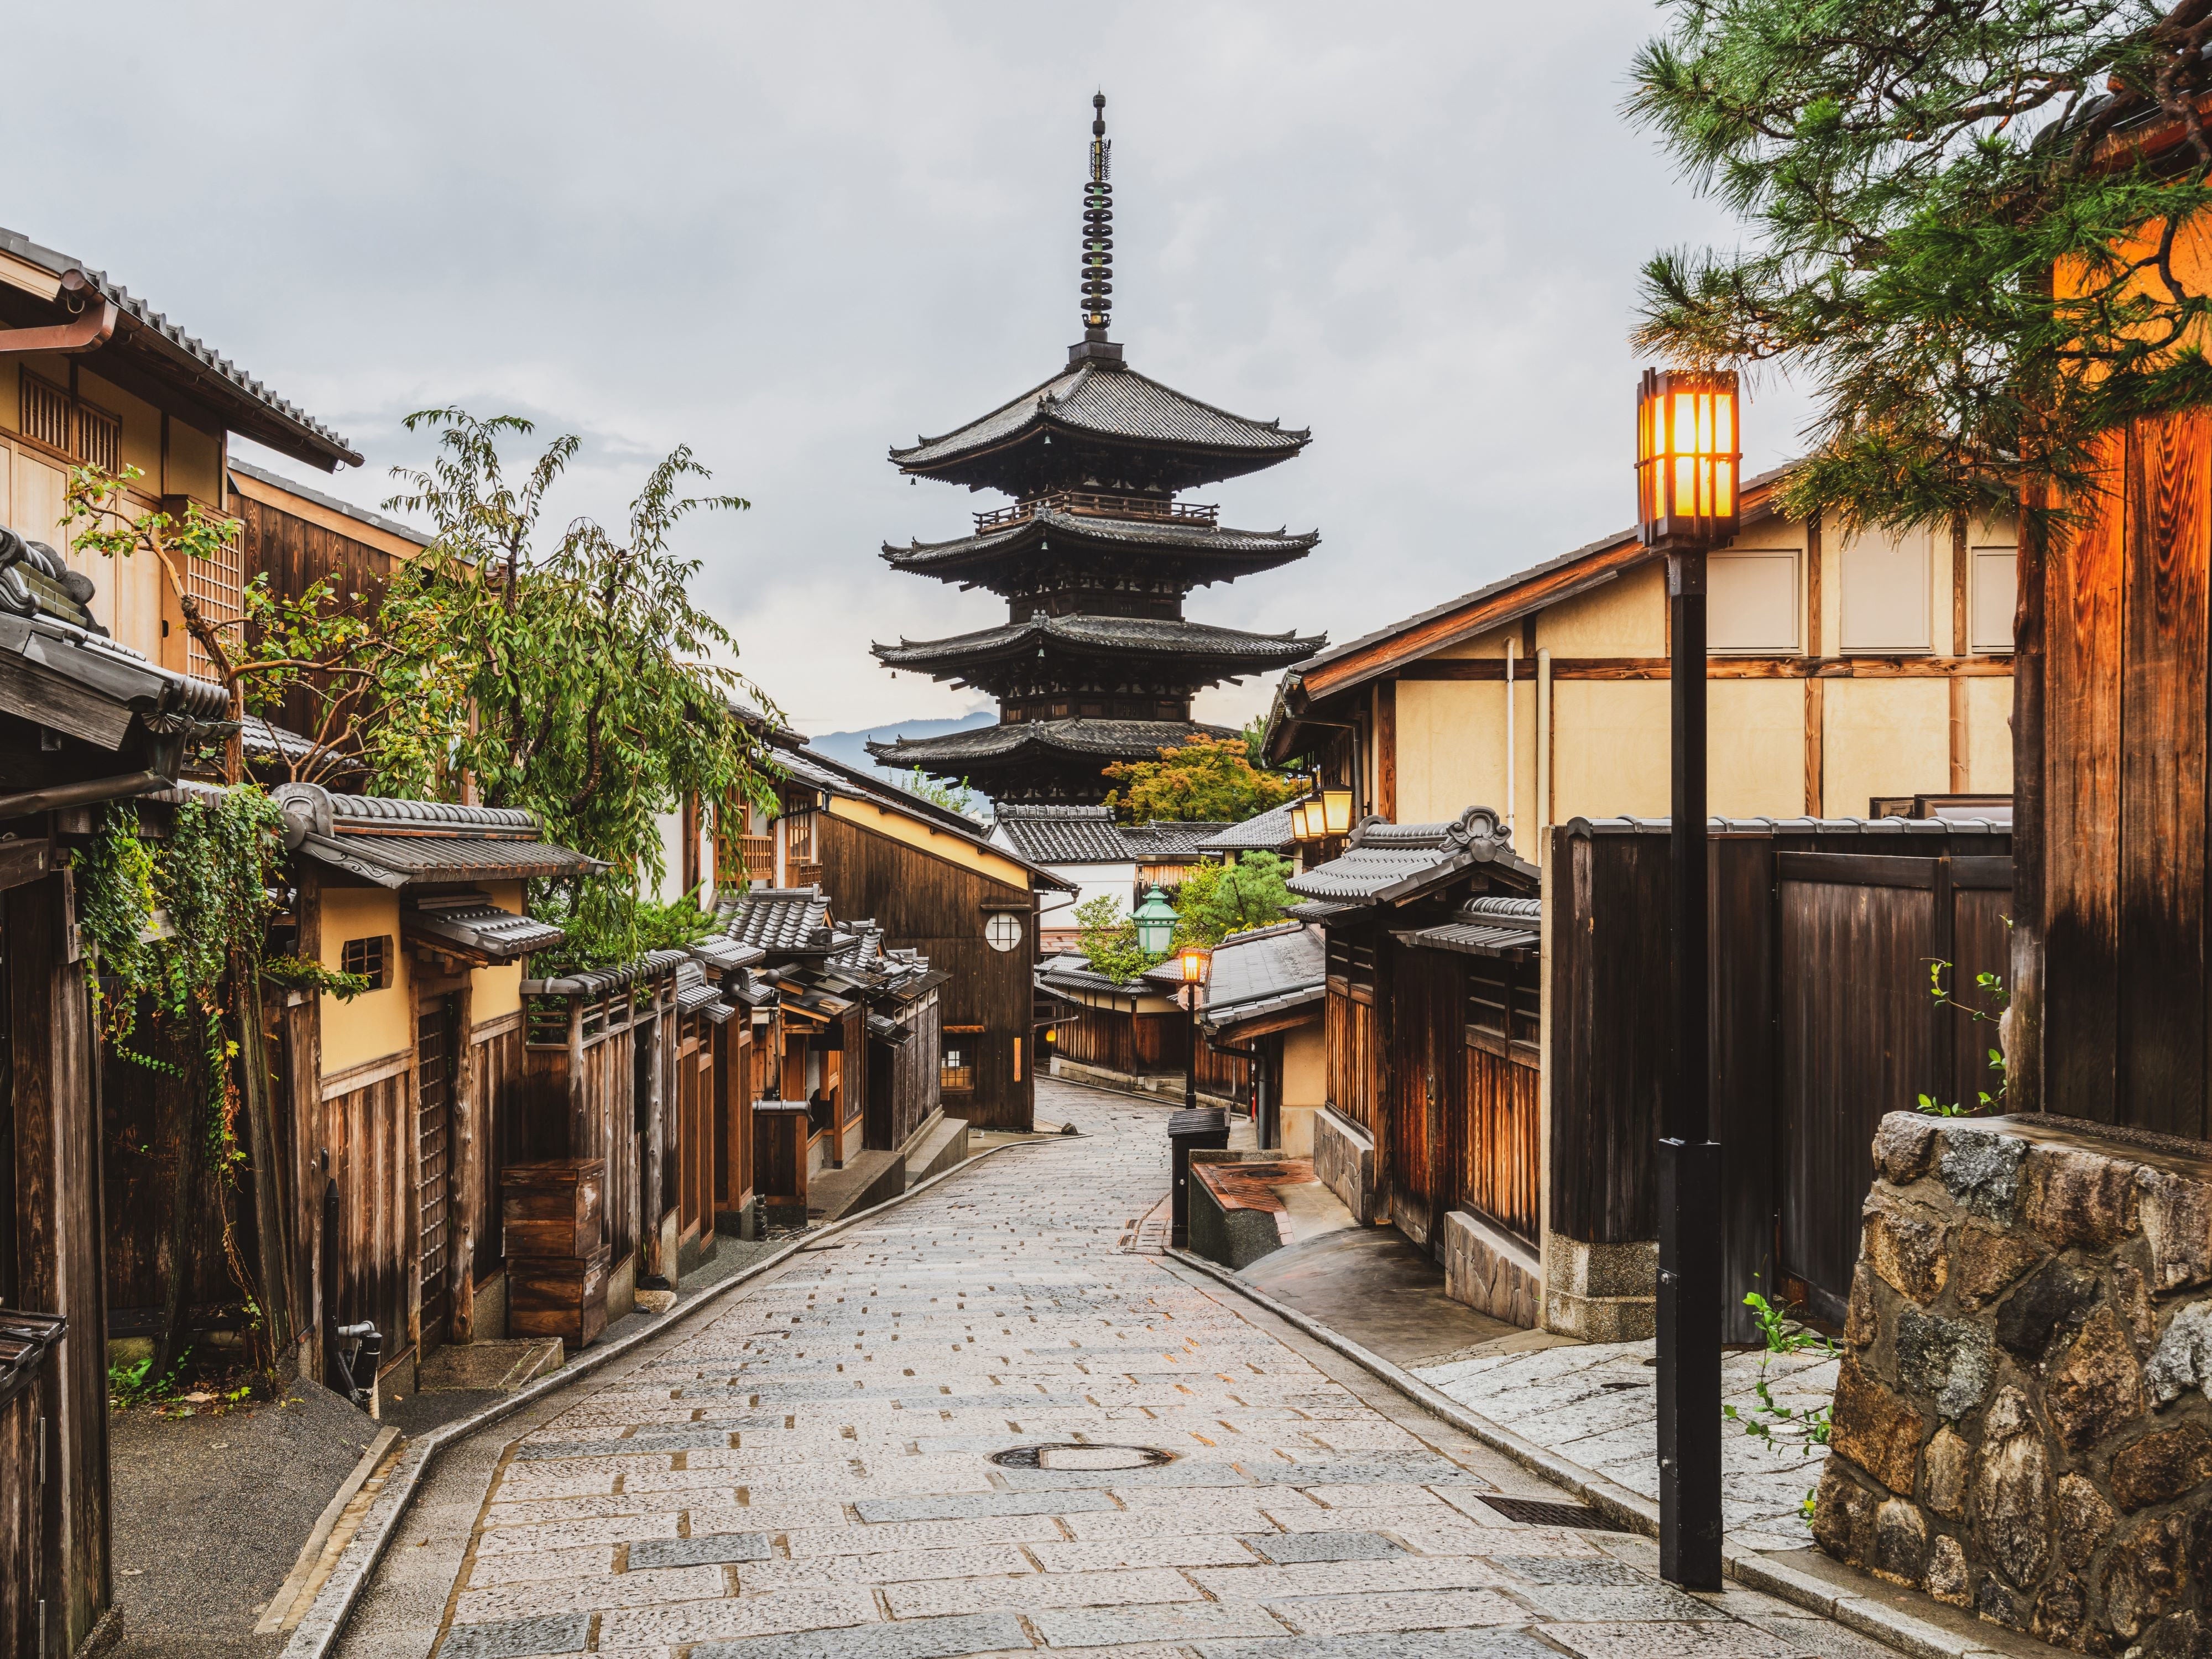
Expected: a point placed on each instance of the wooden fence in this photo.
(1823, 936)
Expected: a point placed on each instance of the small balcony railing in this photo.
(1093, 504)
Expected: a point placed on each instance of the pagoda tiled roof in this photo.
(1113, 403)
(1102, 739)
(1254, 549)
(1151, 636)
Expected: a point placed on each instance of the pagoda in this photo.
(1096, 662)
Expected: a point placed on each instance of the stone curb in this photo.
(317, 1633)
(1884, 1623)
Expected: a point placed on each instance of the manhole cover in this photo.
(1535, 1512)
(1073, 1455)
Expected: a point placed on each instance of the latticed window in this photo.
(45, 413)
(99, 438)
(217, 585)
(369, 957)
(957, 1069)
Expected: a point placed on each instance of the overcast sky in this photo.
(790, 236)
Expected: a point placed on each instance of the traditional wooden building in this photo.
(1432, 1120)
(1094, 556)
(83, 721)
(1844, 667)
(1263, 1005)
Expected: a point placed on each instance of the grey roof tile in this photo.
(1136, 636)
(1388, 861)
(1127, 739)
(1270, 832)
(1166, 839)
(778, 920)
(473, 923)
(1066, 834)
(283, 411)
(1258, 549)
(1108, 403)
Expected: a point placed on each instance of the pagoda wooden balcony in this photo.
(1091, 504)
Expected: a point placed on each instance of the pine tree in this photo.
(1973, 231)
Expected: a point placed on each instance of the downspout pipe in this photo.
(91, 325)
(29, 802)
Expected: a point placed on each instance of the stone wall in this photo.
(1344, 1162)
(1489, 1269)
(2021, 1424)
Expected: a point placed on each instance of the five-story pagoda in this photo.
(1096, 662)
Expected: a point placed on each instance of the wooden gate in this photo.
(1428, 1088)
(1498, 1152)
(435, 1060)
(1861, 1035)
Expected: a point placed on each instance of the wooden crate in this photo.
(552, 1209)
(557, 1296)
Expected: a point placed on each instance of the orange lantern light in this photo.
(1197, 962)
(1336, 811)
(1688, 458)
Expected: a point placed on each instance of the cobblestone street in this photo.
(983, 1426)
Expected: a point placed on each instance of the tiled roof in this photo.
(104, 685)
(394, 841)
(1488, 925)
(1163, 838)
(376, 520)
(37, 581)
(1265, 971)
(1388, 861)
(778, 920)
(1254, 548)
(1066, 834)
(1270, 832)
(471, 923)
(1974, 827)
(724, 954)
(1074, 972)
(1106, 403)
(1108, 739)
(1149, 637)
(597, 981)
(282, 424)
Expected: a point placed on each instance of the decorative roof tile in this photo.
(1385, 862)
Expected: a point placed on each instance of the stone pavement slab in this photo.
(982, 1424)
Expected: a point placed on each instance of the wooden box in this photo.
(557, 1296)
(552, 1209)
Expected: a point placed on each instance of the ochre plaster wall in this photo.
(1305, 1065)
(1885, 738)
(376, 1024)
(497, 991)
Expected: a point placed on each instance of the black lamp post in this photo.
(1687, 463)
(1196, 962)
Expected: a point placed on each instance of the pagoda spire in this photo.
(1097, 243)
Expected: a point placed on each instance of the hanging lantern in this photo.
(1688, 459)
(1156, 924)
(1301, 820)
(1336, 811)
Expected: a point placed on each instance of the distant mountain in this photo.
(852, 747)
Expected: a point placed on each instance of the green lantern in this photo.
(1156, 924)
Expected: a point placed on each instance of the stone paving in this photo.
(1595, 1405)
(988, 1424)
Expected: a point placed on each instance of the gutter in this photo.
(91, 328)
(29, 802)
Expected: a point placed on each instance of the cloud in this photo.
(792, 236)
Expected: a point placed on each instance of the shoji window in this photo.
(1885, 599)
(1750, 603)
(1993, 590)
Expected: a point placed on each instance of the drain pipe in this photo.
(1512, 821)
(29, 802)
(1543, 746)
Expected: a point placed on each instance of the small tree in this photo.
(1963, 222)
(1109, 939)
(952, 797)
(1217, 900)
(1205, 780)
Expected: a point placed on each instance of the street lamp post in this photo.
(1687, 463)
(1197, 962)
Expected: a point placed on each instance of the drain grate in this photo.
(1537, 1512)
(1077, 1455)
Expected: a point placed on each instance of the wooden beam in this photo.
(1386, 746)
(1959, 585)
(1815, 567)
(1725, 668)
(1958, 688)
(1816, 738)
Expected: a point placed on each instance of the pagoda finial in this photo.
(1097, 229)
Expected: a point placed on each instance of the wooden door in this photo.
(691, 1144)
(1427, 1089)
(436, 1061)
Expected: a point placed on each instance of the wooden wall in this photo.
(50, 1156)
(1350, 1030)
(2109, 953)
(1821, 1023)
(295, 555)
(930, 904)
(1104, 1037)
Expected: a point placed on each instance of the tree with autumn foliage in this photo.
(1203, 779)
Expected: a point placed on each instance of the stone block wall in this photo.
(1600, 1293)
(1489, 1269)
(1344, 1162)
(2021, 1423)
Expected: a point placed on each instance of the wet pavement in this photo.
(982, 1423)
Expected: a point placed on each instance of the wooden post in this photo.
(1386, 750)
(2022, 1029)
(303, 1058)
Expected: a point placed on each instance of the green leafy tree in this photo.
(1205, 780)
(1109, 939)
(1971, 231)
(1217, 900)
(952, 797)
